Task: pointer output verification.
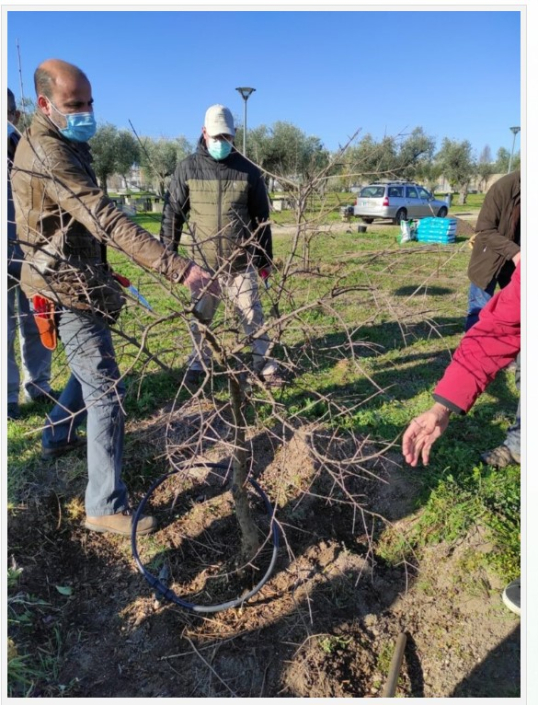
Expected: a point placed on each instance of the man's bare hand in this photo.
(516, 258)
(422, 433)
(198, 280)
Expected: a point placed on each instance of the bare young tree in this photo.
(233, 413)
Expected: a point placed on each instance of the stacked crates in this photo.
(440, 230)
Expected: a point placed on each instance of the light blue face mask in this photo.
(80, 127)
(219, 149)
(10, 129)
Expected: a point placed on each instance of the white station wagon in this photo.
(397, 200)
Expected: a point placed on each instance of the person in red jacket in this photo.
(488, 347)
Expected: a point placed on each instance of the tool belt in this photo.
(45, 318)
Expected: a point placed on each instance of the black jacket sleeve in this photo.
(258, 207)
(175, 210)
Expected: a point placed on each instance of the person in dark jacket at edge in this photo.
(35, 358)
(489, 346)
(495, 254)
(222, 197)
(65, 223)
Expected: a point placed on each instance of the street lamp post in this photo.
(245, 94)
(515, 130)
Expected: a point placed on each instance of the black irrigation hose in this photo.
(170, 594)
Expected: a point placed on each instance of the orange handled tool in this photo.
(44, 316)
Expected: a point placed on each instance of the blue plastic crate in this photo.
(437, 225)
(440, 238)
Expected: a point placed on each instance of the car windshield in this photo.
(373, 192)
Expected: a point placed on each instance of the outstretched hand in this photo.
(198, 280)
(422, 433)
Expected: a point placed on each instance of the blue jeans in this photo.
(94, 391)
(35, 358)
(478, 298)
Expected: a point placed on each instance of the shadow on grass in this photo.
(424, 289)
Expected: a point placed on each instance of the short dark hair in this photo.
(11, 102)
(43, 82)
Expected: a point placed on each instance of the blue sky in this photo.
(455, 73)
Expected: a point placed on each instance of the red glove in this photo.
(265, 273)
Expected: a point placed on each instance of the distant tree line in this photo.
(285, 152)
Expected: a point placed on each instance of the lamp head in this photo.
(245, 91)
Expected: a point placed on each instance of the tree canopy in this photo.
(114, 152)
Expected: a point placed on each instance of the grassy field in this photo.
(401, 313)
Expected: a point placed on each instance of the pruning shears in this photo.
(126, 283)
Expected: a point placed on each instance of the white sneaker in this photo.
(512, 596)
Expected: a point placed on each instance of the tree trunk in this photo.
(463, 194)
(249, 535)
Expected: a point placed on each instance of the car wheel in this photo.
(400, 215)
(442, 212)
(367, 220)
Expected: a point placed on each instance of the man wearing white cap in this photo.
(224, 197)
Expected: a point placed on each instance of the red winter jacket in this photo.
(486, 348)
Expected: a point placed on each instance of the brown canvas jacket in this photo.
(496, 241)
(65, 222)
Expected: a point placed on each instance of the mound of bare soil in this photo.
(325, 623)
(464, 228)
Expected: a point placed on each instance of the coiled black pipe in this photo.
(170, 594)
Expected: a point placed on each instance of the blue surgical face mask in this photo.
(80, 127)
(219, 149)
(10, 129)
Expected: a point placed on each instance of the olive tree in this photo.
(114, 152)
(503, 161)
(103, 151)
(415, 154)
(485, 166)
(159, 158)
(457, 163)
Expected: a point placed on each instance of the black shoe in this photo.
(194, 379)
(45, 398)
(13, 411)
(56, 451)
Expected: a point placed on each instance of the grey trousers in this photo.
(242, 291)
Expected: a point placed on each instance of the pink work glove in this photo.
(197, 279)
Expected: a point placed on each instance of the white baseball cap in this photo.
(219, 121)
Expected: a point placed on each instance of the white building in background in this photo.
(134, 181)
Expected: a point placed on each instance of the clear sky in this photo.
(454, 73)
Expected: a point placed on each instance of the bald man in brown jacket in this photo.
(65, 224)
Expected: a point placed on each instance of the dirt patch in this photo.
(464, 228)
(325, 623)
